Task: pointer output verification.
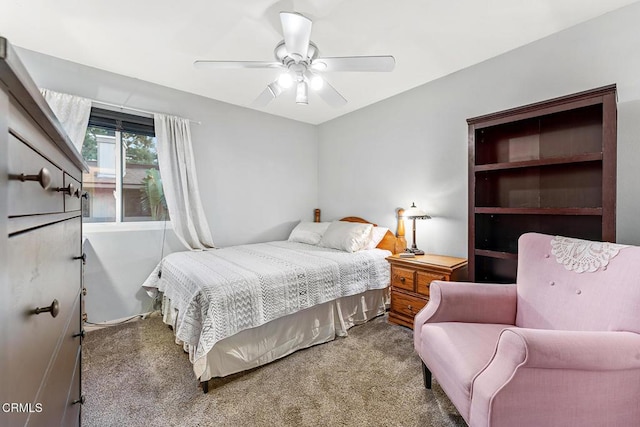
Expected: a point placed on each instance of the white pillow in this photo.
(308, 232)
(346, 236)
(377, 234)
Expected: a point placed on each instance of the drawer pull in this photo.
(85, 195)
(43, 177)
(402, 279)
(410, 308)
(68, 190)
(83, 257)
(54, 309)
(80, 401)
(79, 334)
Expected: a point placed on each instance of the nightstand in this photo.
(410, 280)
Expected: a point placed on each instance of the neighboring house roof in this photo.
(134, 174)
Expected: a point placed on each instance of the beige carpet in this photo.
(134, 375)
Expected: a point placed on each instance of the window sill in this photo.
(110, 227)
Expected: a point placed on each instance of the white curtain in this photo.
(73, 113)
(177, 169)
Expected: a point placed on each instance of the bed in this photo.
(241, 307)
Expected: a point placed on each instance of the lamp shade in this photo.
(415, 213)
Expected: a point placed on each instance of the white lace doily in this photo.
(583, 255)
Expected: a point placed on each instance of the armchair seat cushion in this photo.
(463, 349)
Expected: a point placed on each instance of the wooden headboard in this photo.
(395, 244)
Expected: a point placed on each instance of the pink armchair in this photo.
(561, 347)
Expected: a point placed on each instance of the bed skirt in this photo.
(263, 344)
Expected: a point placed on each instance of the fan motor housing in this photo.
(282, 54)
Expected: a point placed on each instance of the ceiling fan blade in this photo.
(355, 63)
(235, 64)
(327, 92)
(271, 92)
(296, 30)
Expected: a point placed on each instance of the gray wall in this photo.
(257, 173)
(413, 147)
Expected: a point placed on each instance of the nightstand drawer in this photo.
(411, 279)
(424, 279)
(402, 278)
(405, 304)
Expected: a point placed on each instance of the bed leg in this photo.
(205, 386)
(426, 375)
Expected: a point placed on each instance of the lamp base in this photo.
(415, 251)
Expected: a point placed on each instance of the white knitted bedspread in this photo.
(219, 293)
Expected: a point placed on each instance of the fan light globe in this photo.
(302, 96)
(285, 80)
(316, 82)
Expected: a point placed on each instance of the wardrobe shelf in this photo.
(589, 157)
(539, 211)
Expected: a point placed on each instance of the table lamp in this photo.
(415, 213)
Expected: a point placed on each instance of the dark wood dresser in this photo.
(40, 257)
(411, 278)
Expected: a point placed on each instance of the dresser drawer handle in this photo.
(79, 334)
(403, 279)
(68, 190)
(43, 177)
(80, 401)
(54, 309)
(410, 308)
(83, 257)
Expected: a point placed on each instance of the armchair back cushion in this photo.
(565, 284)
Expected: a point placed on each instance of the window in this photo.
(123, 182)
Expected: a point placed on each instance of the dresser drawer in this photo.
(72, 414)
(402, 278)
(424, 279)
(54, 394)
(406, 304)
(41, 269)
(28, 197)
(22, 125)
(72, 201)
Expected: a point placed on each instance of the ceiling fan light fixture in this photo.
(285, 80)
(316, 82)
(300, 63)
(319, 65)
(302, 93)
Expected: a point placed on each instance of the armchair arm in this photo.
(469, 303)
(466, 302)
(551, 368)
(580, 350)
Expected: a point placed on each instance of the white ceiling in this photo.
(158, 40)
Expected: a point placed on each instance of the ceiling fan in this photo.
(299, 59)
